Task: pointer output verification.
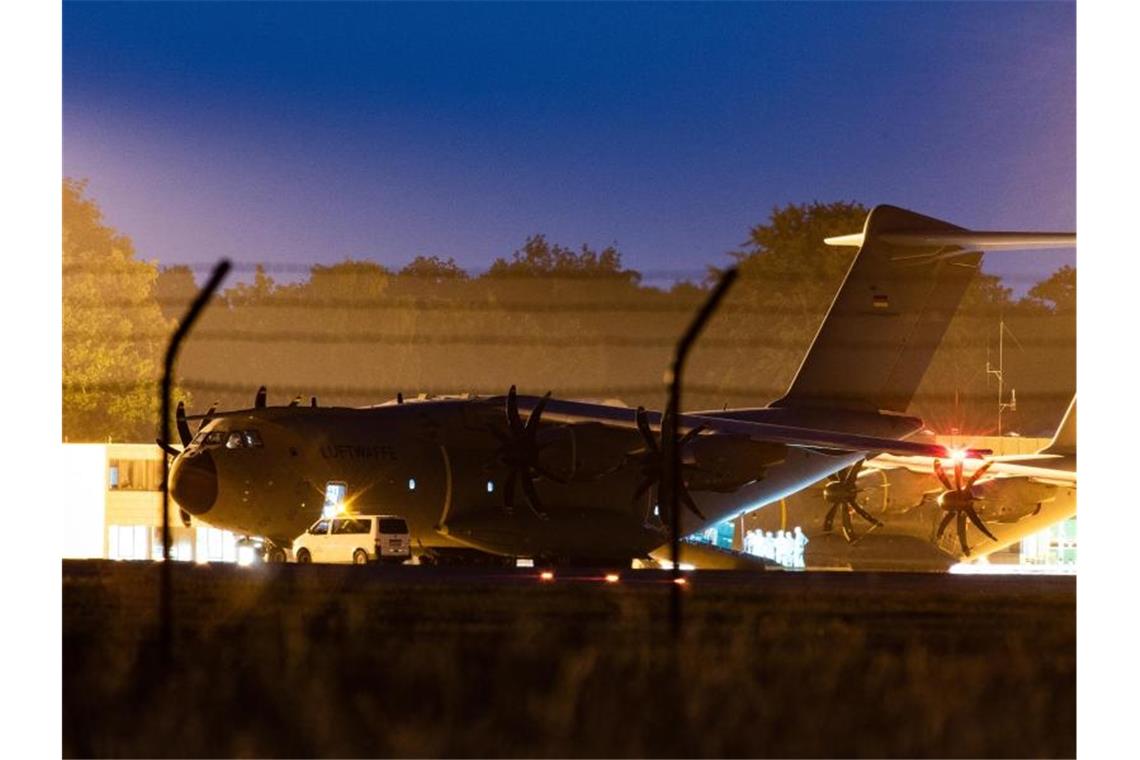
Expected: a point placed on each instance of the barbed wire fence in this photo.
(483, 318)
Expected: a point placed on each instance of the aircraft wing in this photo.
(624, 417)
(1033, 466)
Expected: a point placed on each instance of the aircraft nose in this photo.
(194, 482)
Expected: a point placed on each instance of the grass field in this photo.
(345, 661)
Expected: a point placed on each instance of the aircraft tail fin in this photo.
(893, 308)
(1065, 439)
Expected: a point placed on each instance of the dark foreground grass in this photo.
(342, 661)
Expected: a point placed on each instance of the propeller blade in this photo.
(976, 519)
(167, 447)
(184, 433)
(687, 498)
(940, 471)
(259, 401)
(958, 474)
(830, 518)
(848, 531)
(532, 499)
(643, 427)
(852, 472)
(690, 435)
(864, 513)
(962, 533)
(209, 415)
(978, 473)
(535, 416)
(514, 422)
(945, 521)
(509, 491)
(644, 486)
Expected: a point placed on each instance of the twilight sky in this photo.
(310, 132)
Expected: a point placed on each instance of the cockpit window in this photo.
(233, 439)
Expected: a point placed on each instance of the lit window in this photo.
(114, 476)
(229, 547)
(411, 484)
(490, 486)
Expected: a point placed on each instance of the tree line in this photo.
(546, 317)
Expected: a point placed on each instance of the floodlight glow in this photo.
(245, 555)
(958, 455)
(612, 578)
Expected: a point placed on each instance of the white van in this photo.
(358, 539)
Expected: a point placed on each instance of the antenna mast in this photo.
(999, 373)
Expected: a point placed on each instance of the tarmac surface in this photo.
(319, 660)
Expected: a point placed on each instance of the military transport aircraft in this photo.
(895, 512)
(576, 481)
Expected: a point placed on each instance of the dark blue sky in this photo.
(303, 132)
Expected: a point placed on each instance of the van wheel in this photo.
(360, 557)
(276, 554)
(303, 556)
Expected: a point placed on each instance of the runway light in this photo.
(524, 562)
(680, 581)
(958, 455)
(546, 575)
(612, 578)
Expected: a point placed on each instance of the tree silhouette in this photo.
(113, 329)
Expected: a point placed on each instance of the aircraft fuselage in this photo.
(438, 463)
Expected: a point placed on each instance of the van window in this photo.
(320, 528)
(393, 525)
(348, 525)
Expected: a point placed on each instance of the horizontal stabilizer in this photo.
(966, 239)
